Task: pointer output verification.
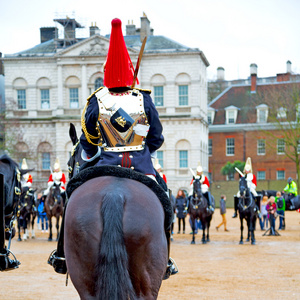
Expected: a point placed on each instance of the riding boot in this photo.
(235, 207)
(57, 257)
(210, 207)
(292, 206)
(6, 263)
(171, 266)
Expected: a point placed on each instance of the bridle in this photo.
(196, 199)
(73, 166)
(244, 195)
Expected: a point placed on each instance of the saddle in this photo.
(98, 171)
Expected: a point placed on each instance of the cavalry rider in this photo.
(58, 177)
(251, 183)
(26, 180)
(157, 166)
(120, 125)
(291, 191)
(204, 186)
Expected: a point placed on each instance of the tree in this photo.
(229, 168)
(283, 123)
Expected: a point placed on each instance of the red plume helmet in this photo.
(118, 67)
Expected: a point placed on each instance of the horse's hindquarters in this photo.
(114, 222)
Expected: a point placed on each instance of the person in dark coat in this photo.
(181, 210)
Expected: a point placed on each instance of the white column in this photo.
(83, 84)
(59, 110)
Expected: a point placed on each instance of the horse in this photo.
(247, 210)
(296, 201)
(54, 207)
(115, 243)
(198, 209)
(27, 212)
(10, 196)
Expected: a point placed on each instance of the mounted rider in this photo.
(26, 179)
(158, 168)
(58, 177)
(291, 191)
(120, 126)
(204, 186)
(251, 183)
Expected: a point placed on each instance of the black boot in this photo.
(292, 206)
(235, 207)
(171, 266)
(57, 257)
(6, 263)
(209, 202)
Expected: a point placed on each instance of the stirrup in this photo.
(58, 263)
(234, 215)
(7, 264)
(172, 268)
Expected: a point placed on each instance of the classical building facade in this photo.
(46, 88)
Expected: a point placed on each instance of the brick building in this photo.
(246, 120)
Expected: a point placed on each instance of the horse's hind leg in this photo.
(252, 227)
(193, 229)
(19, 230)
(57, 227)
(32, 227)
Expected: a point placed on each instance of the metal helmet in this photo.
(57, 165)
(248, 165)
(24, 165)
(157, 166)
(199, 168)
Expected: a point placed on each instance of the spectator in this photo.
(181, 210)
(42, 216)
(271, 208)
(223, 213)
(264, 213)
(280, 204)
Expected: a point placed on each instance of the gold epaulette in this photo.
(146, 91)
(100, 88)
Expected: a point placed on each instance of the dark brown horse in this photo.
(54, 207)
(115, 243)
(10, 189)
(198, 210)
(27, 212)
(247, 210)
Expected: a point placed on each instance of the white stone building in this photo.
(46, 88)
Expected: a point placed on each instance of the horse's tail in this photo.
(114, 281)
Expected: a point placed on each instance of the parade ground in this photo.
(221, 269)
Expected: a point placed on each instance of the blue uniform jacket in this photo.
(139, 160)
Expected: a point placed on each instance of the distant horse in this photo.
(10, 195)
(27, 212)
(296, 201)
(198, 210)
(54, 207)
(267, 193)
(115, 243)
(247, 210)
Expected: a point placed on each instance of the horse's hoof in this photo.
(19, 239)
(253, 243)
(50, 239)
(203, 242)
(241, 242)
(208, 240)
(247, 240)
(192, 242)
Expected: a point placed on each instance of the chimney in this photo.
(145, 27)
(48, 33)
(220, 74)
(94, 30)
(253, 73)
(288, 67)
(130, 28)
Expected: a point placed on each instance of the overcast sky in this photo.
(231, 33)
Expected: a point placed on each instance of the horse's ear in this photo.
(73, 134)
(193, 177)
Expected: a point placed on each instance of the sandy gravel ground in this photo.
(221, 269)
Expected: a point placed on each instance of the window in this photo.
(45, 160)
(21, 99)
(231, 119)
(98, 83)
(160, 157)
(159, 95)
(230, 146)
(261, 147)
(281, 113)
(74, 98)
(45, 99)
(280, 174)
(209, 118)
(261, 175)
(183, 159)
(183, 95)
(262, 116)
(298, 146)
(210, 147)
(280, 146)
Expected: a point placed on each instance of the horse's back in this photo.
(115, 215)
